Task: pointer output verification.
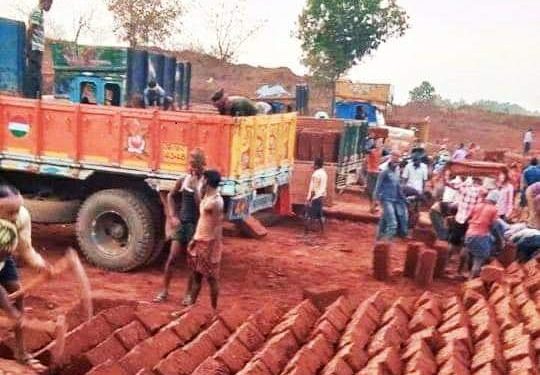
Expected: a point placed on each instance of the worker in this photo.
(415, 174)
(394, 219)
(204, 251)
(233, 105)
(316, 193)
(183, 212)
(374, 156)
(263, 108)
(527, 141)
(479, 242)
(460, 154)
(16, 241)
(35, 47)
(154, 95)
(469, 194)
(530, 176)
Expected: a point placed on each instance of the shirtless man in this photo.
(204, 252)
(15, 220)
(183, 216)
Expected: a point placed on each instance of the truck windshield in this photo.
(88, 93)
(112, 94)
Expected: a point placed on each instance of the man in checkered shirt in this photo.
(469, 192)
(469, 195)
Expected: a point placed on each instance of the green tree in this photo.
(425, 93)
(141, 22)
(337, 34)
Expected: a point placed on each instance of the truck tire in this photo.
(52, 212)
(115, 229)
(158, 218)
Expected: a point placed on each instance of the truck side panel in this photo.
(262, 145)
(61, 131)
(251, 153)
(22, 126)
(181, 132)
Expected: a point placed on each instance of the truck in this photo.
(114, 75)
(108, 168)
(338, 142)
(117, 75)
(363, 101)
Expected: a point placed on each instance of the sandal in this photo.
(161, 297)
(33, 363)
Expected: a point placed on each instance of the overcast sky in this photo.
(480, 49)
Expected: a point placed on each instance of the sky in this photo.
(470, 50)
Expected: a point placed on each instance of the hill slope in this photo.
(489, 130)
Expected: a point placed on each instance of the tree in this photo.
(82, 23)
(231, 28)
(336, 35)
(425, 93)
(141, 22)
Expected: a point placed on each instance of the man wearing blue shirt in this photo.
(394, 219)
(154, 95)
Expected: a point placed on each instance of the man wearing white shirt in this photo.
(527, 141)
(316, 194)
(415, 175)
(460, 154)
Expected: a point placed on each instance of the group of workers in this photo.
(194, 210)
(393, 184)
(474, 214)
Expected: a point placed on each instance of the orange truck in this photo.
(108, 168)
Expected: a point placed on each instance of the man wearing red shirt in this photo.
(478, 239)
(373, 160)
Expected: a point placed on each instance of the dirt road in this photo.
(278, 267)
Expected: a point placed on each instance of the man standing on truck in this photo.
(154, 95)
(183, 212)
(204, 252)
(316, 193)
(233, 105)
(16, 241)
(35, 47)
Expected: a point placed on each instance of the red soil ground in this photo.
(276, 268)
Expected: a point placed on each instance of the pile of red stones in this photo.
(491, 327)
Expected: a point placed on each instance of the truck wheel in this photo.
(52, 212)
(154, 204)
(115, 229)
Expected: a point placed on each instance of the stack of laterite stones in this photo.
(427, 259)
(492, 327)
(423, 262)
